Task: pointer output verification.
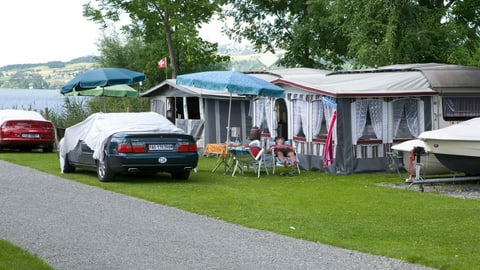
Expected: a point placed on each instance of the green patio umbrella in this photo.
(119, 90)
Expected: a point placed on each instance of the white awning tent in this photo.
(363, 84)
(420, 82)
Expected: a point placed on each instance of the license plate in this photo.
(160, 147)
(30, 135)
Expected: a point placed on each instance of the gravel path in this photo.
(75, 226)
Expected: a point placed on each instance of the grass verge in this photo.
(13, 257)
(351, 211)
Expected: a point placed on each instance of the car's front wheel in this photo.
(183, 175)
(103, 171)
(67, 167)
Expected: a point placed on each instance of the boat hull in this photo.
(457, 155)
(466, 164)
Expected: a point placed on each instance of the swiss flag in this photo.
(162, 63)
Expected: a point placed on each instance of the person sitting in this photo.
(281, 150)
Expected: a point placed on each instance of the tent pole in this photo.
(229, 115)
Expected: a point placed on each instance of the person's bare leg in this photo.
(293, 159)
(281, 156)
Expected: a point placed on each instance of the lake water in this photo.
(31, 99)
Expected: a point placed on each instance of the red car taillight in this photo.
(187, 147)
(127, 147)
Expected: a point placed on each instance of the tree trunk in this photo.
(171, 49)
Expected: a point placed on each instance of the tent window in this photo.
(319, 124)
(369, 119)
(179, 108)
(460, 108)
(405, 118)
(299, 118)
(193, 108)
(171, 109)
(368, 132)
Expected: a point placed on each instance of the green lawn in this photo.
(352, 212)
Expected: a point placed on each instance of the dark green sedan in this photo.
(149, 144)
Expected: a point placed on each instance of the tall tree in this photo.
(165, 26)
(288, 25)
(406, 31)
(325, 33)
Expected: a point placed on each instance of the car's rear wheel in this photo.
(25, 149)
(67, 167)
(183, 175)
(48, 149)
(103, 171)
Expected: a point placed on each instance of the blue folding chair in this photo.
(276, 161)
(243, 158)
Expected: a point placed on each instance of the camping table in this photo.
(220, 150)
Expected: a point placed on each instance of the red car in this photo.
(26, 130)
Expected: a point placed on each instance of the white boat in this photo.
(457, 147)
(430, 165)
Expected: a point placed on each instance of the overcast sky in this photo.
(38, 31)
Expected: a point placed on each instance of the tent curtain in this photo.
(410, 107)
(411, 112)
(328, 110)
(375, 109)
(317, 112)
(259, 111)
(304, 115)
(398, 106)
(158, 106)
(297, 116)
(361, 107)
(300, 116)
(271, 117)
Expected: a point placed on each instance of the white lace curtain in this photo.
(264, 112)
(410, 107)
(329, 107)
(300, 116)
(271, 117)
(317, 112)
(375, 109)
(259, 111)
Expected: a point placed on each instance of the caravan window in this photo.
(460, 108)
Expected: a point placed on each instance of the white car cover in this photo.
(96, 129)
(19, 115)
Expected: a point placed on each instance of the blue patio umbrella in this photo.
(232, 82)
(102, 77)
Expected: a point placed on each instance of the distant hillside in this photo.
(54, 74)
(50, 75)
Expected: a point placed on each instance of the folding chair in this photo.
(243, 157)
(276, 161)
